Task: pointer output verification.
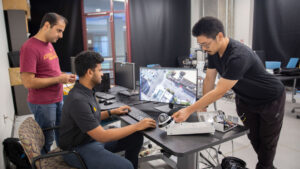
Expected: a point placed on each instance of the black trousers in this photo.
(264, 123)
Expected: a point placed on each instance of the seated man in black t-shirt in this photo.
(260, 96)
(80, 128)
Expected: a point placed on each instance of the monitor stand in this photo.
(165, 108)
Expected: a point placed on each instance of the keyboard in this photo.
(138, 114)
(105, 96)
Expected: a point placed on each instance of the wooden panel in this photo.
(15, 77)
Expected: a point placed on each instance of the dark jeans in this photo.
(264, 123)
(47, 115)
(98, 155)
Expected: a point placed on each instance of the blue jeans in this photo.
(47, 115)
(98, 155)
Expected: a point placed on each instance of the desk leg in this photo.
(189, 161)
(294, 91)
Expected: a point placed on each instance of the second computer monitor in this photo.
(168, 85)
(125, 74)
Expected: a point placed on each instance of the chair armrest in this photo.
(53, 154)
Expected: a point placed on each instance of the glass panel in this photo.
(96, 6)
(119, 5)
(98, 38)
(120, 36)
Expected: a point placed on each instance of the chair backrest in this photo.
(272, 64)
(31, 137)
(292, 63)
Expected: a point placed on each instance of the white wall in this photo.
(242, 16)
(243, 21)
(7, 112)
(195, 16)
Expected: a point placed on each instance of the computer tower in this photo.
(105, 84)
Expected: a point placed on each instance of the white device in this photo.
(166, 123)
(189, 128)
(220, 121)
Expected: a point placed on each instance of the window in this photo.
(105, 30)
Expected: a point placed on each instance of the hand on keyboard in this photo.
(145, 123)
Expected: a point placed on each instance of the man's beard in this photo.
(95, 81)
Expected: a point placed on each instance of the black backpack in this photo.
(14, 152)
(233, 163)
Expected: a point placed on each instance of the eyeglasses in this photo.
(206, 45)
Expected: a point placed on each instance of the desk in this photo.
(184, 147)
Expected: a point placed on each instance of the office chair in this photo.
(33, 140)
(272, 64)
(277, 64)
(292, 63)
(294, 110)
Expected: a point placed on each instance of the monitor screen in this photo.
(168, 85)
(125, 74)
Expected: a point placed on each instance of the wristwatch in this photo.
(109, 113)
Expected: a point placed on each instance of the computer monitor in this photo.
(125, 75)
(168, 85)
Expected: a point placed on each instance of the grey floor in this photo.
(288, 149)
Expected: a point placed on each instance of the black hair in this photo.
(209, 27)
(87, 60)
(52, 18)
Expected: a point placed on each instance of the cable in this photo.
(202, 156)
(211, 156)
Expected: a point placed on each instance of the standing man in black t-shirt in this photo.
(80, 128)
(260, 97)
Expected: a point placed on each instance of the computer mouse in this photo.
(108, 103)
(164, 119)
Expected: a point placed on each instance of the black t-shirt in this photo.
(80, 114)
(255, 85)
